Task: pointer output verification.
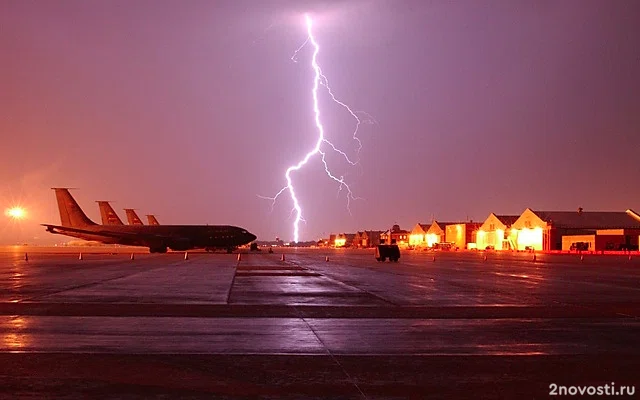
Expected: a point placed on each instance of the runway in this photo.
(350, 327)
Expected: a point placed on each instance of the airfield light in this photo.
(16, 213)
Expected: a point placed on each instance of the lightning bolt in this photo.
(320, 79)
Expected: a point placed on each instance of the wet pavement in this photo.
(436, 325)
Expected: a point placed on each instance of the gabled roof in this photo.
(400, 232)
(589, 219)
(508, 220)
(424, 227)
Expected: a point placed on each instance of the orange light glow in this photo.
(531, 238)
(498, 239)
(416, 239)
(16, 213)
(432, 239)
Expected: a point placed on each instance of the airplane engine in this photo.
(180, 244)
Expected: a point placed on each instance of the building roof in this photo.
(443, 223)
(589, 219)
(424, 227)
(400, 232)
(508, 220)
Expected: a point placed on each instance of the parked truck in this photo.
(390, 251)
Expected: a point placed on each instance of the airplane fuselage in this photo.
(160, 237)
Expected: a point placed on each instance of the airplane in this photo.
(152, 220)
(108, 214)
(132, 217)
(75, 223)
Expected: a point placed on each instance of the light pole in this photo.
(16, 214)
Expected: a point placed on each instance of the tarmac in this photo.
(321, 324)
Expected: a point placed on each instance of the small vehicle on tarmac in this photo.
(254, 247)
(390, 251)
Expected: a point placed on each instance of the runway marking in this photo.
(324, 274)
(90, 284)
(335, 360)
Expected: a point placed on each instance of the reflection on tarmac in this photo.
(558, 313)
(15, 338)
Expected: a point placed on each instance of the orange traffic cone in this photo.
(186, 255)
(282, 259)
(26, 257)
(239, 257)
(326, 259)
(433, 259)
(484, 258)
(133, 257)
(80, 256)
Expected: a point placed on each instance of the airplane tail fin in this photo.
(71, 215)
(108, 214)
(152, 220)
(132, 217)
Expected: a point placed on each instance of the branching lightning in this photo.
(320, 79)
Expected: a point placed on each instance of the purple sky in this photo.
(189, 110)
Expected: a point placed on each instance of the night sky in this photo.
(192, 109)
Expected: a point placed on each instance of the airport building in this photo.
(357, 239)
(418, 235)
(344, 239)
(436, 233)
(532, 230)
(332, 240)
(462, 235)
(364, 239)
(398, 236)
(494, 233)
(603, 239)
(545, 230)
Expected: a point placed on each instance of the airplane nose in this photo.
(251, 237)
